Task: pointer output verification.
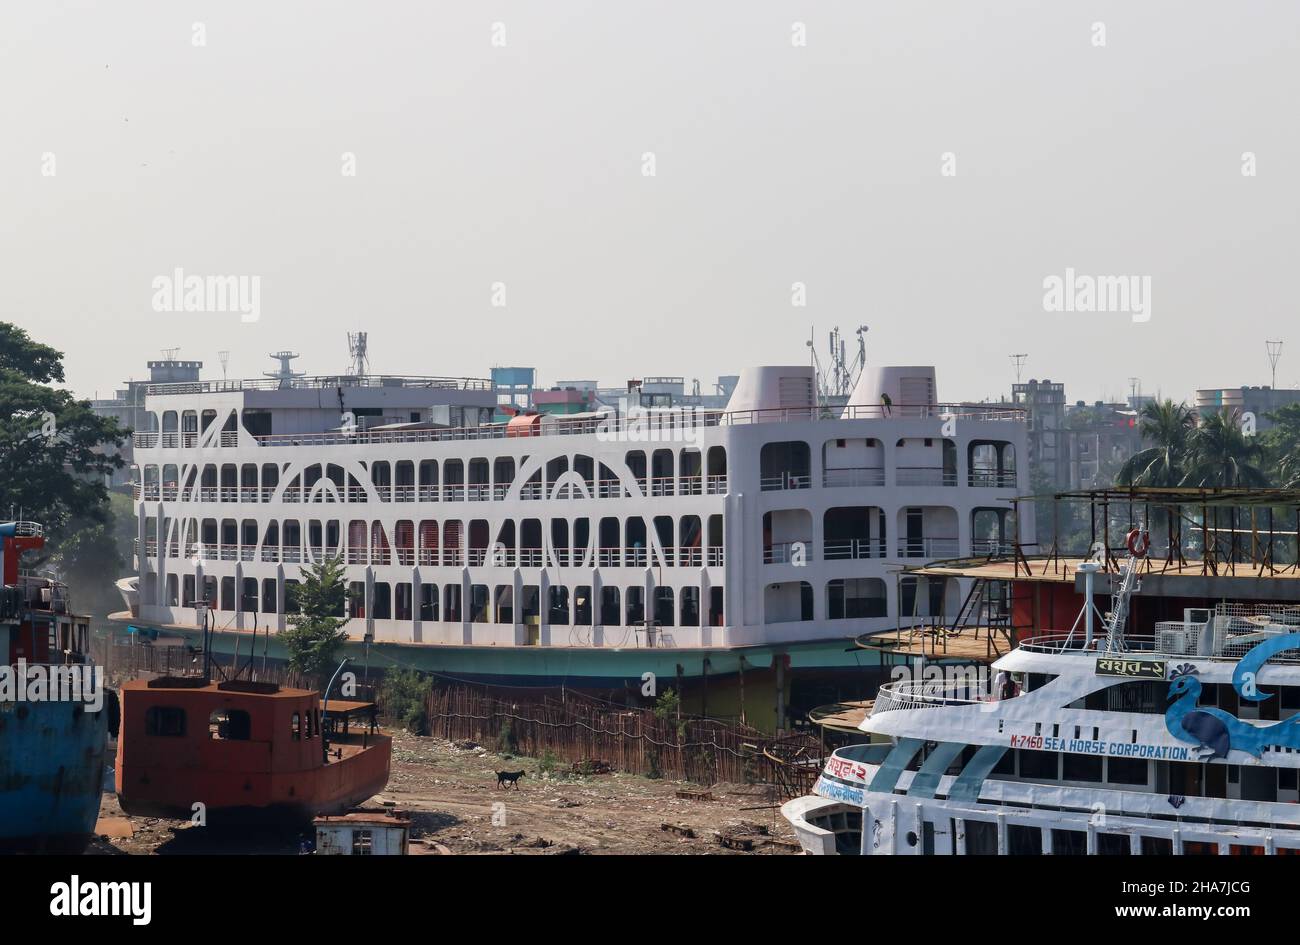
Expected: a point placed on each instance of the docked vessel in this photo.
(1184, 739)
(54, 711)
(589, 550)
(240, 751)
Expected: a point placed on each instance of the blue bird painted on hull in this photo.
(1215, 732)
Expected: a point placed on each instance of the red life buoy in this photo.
(1138, 543)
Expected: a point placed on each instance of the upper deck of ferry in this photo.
(271, 413)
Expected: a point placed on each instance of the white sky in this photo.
(775, 164)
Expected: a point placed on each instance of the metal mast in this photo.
(357, 350)
(1274, 349)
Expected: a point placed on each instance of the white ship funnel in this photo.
(774, 388)
(893, 391)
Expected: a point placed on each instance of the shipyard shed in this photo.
(363, 833)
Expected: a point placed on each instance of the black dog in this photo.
(509, 777)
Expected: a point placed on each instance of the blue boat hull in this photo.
(51, 775)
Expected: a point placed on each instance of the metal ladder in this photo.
(1119, 603)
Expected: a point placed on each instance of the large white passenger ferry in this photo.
(588, 549)
(1182, 741)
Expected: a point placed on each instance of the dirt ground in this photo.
(451, 792)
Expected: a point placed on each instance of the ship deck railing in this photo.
(1225, 647)
(670, 425)
(928, 695)
(327, 492)
(317, 382)
(633, 556)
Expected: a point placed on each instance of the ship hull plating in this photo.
(51, 775)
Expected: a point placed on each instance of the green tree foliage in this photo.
(316, 632)
(1283, 445)
(1220, 454)
(52, 464)
(1168, 427)
(404, 696)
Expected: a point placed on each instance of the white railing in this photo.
(320, 382)
(857, 477)
(662, 485)
(853, 549)
(927, 695)
(784, 480)
(927, 547)
(924, 476)
(783, 552)
(667, 428)
(983, 478)
(991, 546)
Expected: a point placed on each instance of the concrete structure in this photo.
(1046, 440)
(1259, 401)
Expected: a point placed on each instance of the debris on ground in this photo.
(448, 788)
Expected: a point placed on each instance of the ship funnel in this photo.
(894, 392)
(791, 388)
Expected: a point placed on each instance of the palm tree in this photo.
(1167, 426)
(1221, 455)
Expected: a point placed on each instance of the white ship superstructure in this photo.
(774, 520)
(1182, 741)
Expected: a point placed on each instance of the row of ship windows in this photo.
(1151, 697)
(1173, 778)
(849, 533)
(664, 472)
(981, 839)
(484, 604)
(686, 541)
(659, 473)
(846, 599)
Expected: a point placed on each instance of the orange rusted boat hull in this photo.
(236, 756)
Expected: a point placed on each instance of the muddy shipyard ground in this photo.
(456, 807)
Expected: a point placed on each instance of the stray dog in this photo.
(509, 777)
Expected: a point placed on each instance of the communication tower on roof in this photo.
(835, 380)
(357, 349)
(286, 374)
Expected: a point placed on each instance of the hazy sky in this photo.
(775, 163)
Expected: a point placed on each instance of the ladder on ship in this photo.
(969, 612)
(981, 609)
(1117, 619)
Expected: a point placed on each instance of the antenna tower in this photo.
(1274, 349)
(286, 374)
(357, 351)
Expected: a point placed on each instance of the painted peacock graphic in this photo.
(1215, 732)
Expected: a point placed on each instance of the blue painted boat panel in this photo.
(51, 773)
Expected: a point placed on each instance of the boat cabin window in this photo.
(230, 724)
(164, 720)
(1024, 840)
(981, 838)
(295, 725)
(1114, 844)
(1035, 681)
